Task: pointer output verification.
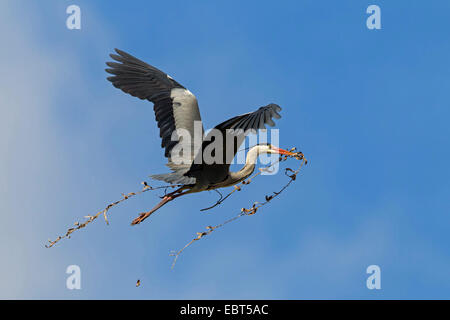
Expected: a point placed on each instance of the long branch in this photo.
(292, 174)
(90, 218)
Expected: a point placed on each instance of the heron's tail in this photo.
(174, 178)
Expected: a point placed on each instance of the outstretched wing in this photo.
(175, 107)
(233, 133)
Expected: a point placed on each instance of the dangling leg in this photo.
(166, 198)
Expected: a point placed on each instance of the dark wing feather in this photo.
(242, 125)
(175, 107)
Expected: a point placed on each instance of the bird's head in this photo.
(268, 148)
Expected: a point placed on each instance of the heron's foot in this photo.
(139, 219)
(145, 215)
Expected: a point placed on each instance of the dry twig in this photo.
(103, 212)
(292, 174)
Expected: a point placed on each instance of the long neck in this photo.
(248, 168)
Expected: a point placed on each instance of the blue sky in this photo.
(369, 108)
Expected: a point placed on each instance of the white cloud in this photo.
(32, 150)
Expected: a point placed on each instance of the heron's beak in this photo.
(282, 151)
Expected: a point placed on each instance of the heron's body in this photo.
(176, 110)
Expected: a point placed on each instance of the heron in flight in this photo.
(176, 108)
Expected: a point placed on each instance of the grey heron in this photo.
(176, 108)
